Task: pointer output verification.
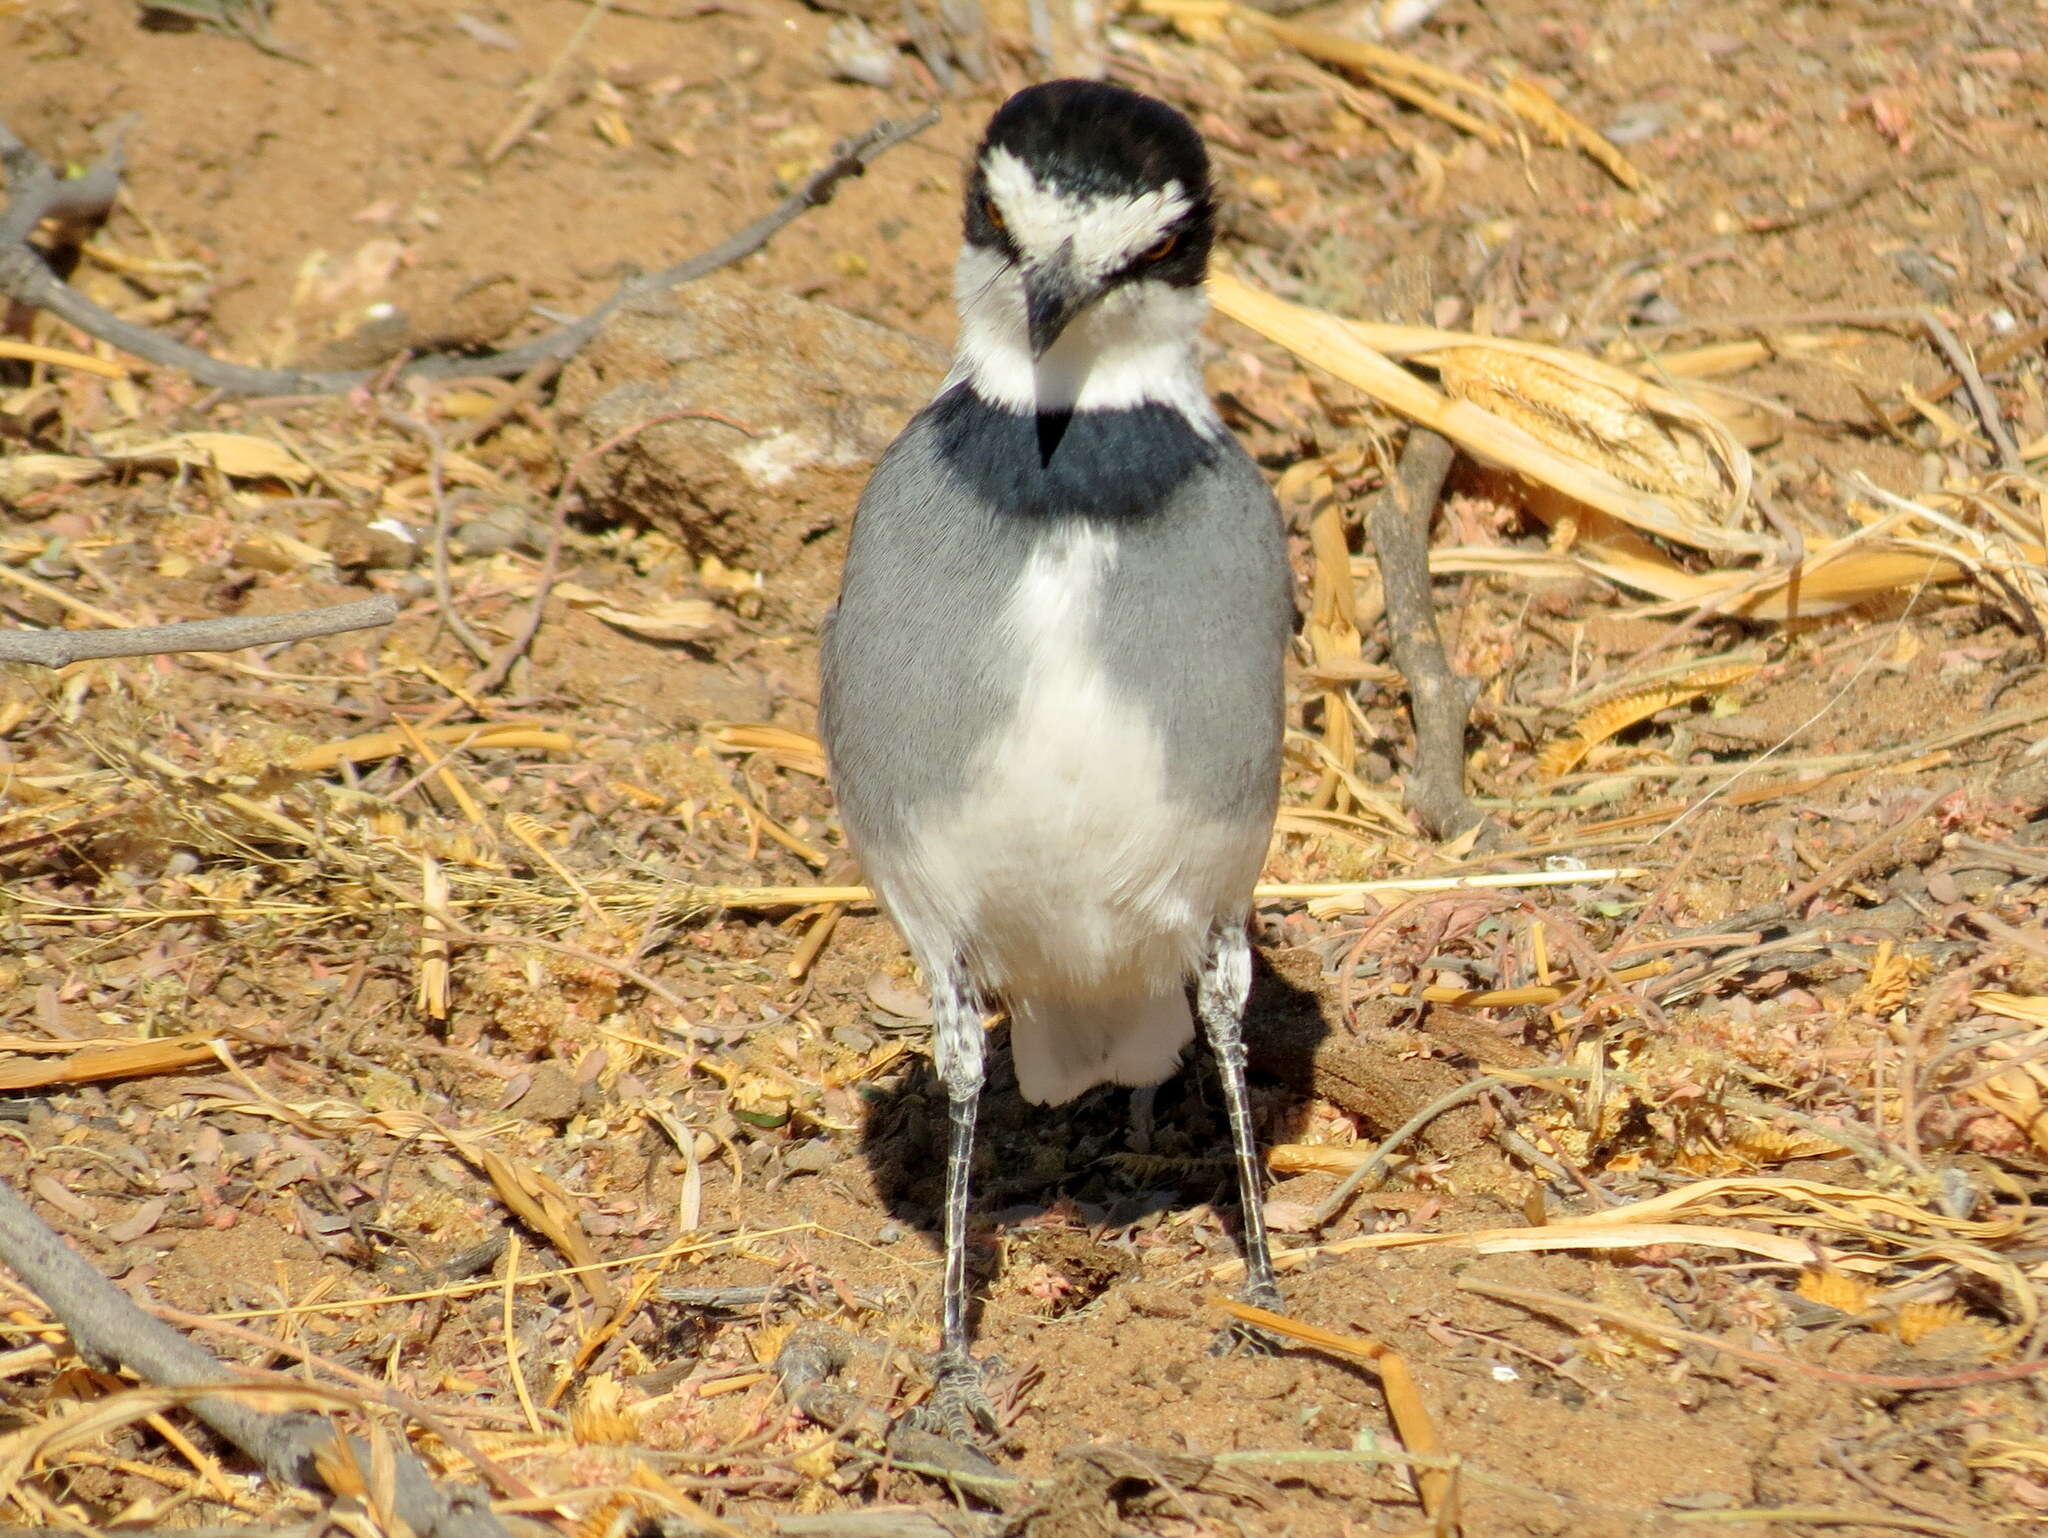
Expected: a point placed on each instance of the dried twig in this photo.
(1440, 700)
(107, 1326)
(497, 669)
(1981, 399)
(1377, 1161)
(27, 279)
(437, 489)
(61, 648)
(1556, 1303)
(539, 95)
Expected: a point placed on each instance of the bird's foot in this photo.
(1242, 1336)
(959, 1406)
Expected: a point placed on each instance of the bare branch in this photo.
(35, 192)
(107, 1326)
(1439, 699)
(61, 648)
(25, 278)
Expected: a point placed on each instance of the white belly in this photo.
(1067, 876)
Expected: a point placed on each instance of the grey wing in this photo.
(912, 672)
(1200, 631)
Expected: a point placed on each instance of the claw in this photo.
(959, 1406)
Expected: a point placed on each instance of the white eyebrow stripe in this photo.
(1106, 232)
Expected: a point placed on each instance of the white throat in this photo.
(1135, 347)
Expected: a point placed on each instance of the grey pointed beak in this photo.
(1053, 295)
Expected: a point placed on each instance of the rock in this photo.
(553, 1096)
(822, 392)
(357, 544)
(811, 1158)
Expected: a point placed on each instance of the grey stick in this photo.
(1439, 699)
(106, 1326)
(61, 648)
(25, 278)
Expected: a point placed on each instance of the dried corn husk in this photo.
(1650, 437)
(1644, 434)
(1550, 387)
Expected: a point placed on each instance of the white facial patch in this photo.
(1136, 345)
(1104, 233)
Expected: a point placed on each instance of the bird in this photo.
(1051, 688)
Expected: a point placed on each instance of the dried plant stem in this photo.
(1856, 859)
(540, 94)
(61, 648)
(1377, 1160)
(1773, 1361)
(1982, 401)
(632, 974)
(437, 486)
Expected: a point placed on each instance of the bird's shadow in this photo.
(1027, 1157)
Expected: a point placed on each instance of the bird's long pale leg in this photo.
(1220, 995)
(958, 1045)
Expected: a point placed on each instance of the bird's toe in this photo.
(959, 1407)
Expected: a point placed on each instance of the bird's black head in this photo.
(1086, 186)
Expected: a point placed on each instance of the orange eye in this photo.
(995, 214)
(1164, 249)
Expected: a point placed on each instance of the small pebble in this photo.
(810, 1158)
(891, 1232)
(855, 53)
(483, 538)
(1636, 124)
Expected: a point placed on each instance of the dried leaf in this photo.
(22, 475)
(1534, 105)
(1286, 1217)
(545, 1207)
(95, 1065)
(240, 455)
(139, 1222)
(1753, 1148)
(275, 551)
(789, 749)
(1314, 1158)
(1625, 710)
(680, 619)
(2016, 1095)
(2031, 1008)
